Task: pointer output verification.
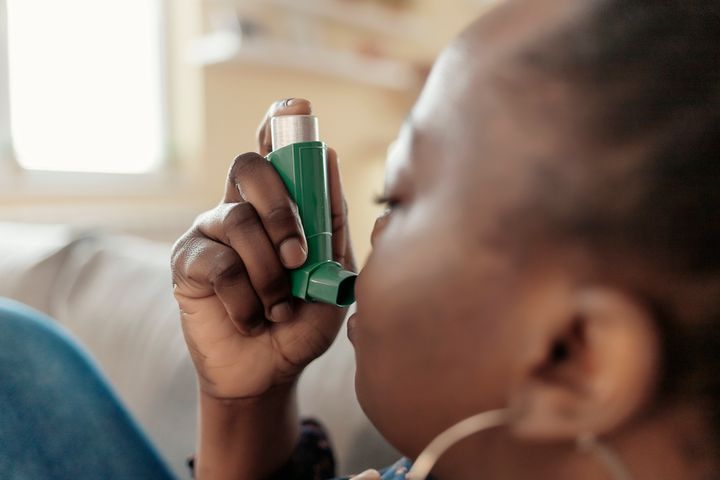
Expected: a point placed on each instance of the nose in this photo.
(378, 227)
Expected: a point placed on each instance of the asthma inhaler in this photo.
(301, 160)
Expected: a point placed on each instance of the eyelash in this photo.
(386, 200)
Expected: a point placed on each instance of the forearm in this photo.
(246, 439)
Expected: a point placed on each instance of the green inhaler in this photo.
(301, 160)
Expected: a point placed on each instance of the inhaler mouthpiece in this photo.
(289, 129)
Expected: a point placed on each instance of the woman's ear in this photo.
(598, 368)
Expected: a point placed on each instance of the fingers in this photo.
(203, 267)
(238, 226)
(288, 106)
(235, 291)
(259, 222)
(253, 179)
(339, 213)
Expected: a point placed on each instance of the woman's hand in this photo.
(245, 332)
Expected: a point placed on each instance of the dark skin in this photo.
(449, 323)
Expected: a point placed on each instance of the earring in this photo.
(432, 453)
(587, 443)
(606, 456)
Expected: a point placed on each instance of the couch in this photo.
(113, 293)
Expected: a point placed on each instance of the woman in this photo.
(547, 265)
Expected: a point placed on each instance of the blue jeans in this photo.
(59, 419)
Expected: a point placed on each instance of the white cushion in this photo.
(31, 257)
(114, 293)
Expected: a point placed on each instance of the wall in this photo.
(358, 121)
(215, 110)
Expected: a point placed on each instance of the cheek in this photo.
(426, 329)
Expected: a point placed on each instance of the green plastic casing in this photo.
(303, 168)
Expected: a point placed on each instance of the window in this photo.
(86, 84)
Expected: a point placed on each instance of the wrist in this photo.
(211, 400)
(247, 437)
(231, 392)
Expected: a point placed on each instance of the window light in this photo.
(86, 84)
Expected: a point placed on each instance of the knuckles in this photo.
(197, 260)
(241, 216)
(179, 254)
(228, 268)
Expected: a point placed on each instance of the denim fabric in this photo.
(397, 471)
(58, 417)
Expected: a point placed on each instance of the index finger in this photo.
(254, 180)
(288, 106)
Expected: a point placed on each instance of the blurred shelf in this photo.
(360, 15)
(228, 48)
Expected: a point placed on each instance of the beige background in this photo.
(213, 113)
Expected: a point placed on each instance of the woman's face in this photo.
(436, 332)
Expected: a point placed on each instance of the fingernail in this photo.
(296, 101)
(292, 253)
(282, 312)
(367, 474)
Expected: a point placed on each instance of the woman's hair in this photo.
(646, 74)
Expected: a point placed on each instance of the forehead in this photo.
(467, 106)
